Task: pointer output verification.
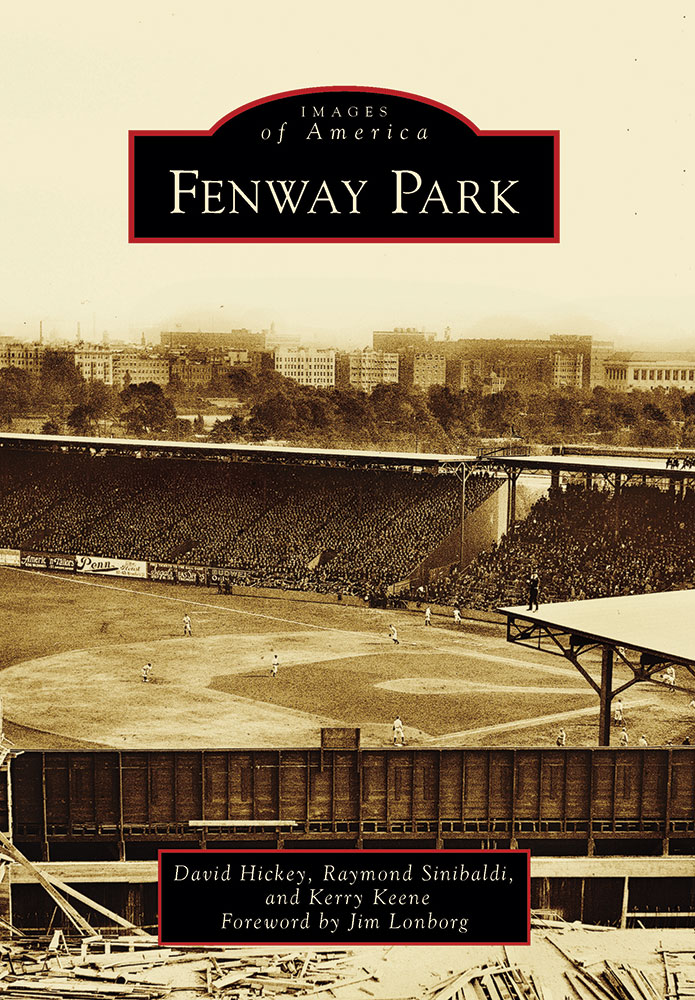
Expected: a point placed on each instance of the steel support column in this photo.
(511, 500)
(464, 476)
(604, 722)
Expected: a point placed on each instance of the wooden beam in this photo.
(626, 895)
(243, 822)
(105, 912)
(82, 925)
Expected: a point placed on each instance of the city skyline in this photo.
(491, 328)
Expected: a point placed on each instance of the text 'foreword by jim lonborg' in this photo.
(370, 897)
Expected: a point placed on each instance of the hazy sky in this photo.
(615, 78)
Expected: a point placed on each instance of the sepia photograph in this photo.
(335, 549)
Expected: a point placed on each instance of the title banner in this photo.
(344, 164)
(343, 897)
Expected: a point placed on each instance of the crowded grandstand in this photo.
(300, 526)
(350, 530)
(586, 543)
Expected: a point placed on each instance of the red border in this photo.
(301, 945)
(555, 238)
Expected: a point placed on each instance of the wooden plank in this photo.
(151, 956)
(103, 910)
(338, 984)
(512, 829)
(44, 805)
(243, 822)
(667, 804)
(625, 900)
(573, 980)
(68, 909)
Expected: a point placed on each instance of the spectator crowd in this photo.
(587, 543)
(309, 527)
(352, 531)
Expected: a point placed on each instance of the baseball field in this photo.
(72, 651)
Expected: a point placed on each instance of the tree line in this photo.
(269, 407)
(442, 419)
(75, 406)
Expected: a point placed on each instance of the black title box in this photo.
(343, 897)
(344, 164)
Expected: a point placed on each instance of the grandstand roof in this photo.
(660, 624)
(194, 449)
(590, 463)
(626, 465)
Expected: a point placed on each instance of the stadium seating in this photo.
(584, 544)
(289, 526)
(328, 529)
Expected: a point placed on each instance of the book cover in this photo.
(327, 193)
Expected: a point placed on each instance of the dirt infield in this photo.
(73, 650)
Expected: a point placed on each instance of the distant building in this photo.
(27, 357)
(520, 361)
(406, 369)
(567, 369)
(94, 363)
(191, 370)
(493, 384)
(462, 373)
(262, 361)
(223, 342)
(308, 367)
(429, 370)
(601, 350)
(221, 370)
(401, 340)
(139, 367)
(239, 358)
(192, 374)
(577, 360)
(561, 360)
(569, 361)
(369, 368)
(98, 363)
(627, 373)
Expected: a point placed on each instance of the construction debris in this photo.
(489, 982)
(679, 967)
(586, 978)
(68, 963)
(57, 890)
(100, 968)
(605, 980)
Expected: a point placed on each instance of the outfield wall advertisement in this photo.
(177, 572)
(103, 565)
(162, 571)
(186, 573)
(47, 560)
(10, 557)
